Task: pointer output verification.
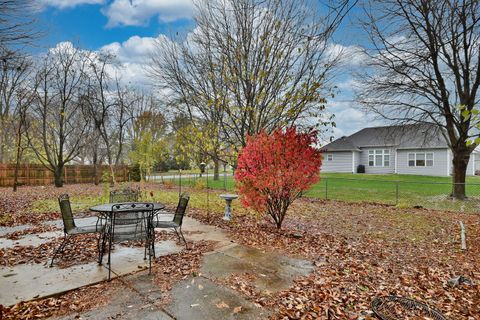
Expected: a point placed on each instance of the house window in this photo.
(420, 159)
(429, 159)
(411, 159)
(379, 158)
(329, 157)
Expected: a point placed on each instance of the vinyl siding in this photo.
(377, 170)
(439, 167)
(342, 162)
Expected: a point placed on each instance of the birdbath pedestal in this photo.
(228, 208)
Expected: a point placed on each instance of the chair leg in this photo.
(150, 242)
(109, 255)
(181, 233)
(60, 248)
(178, 234)
(145, 249)
(153, 242)
(101, 249)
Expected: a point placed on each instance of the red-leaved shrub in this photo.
(274, 169)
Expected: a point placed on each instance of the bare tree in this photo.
(249, 66)
(17, 26)
(129, 106)
(101, 103)
(58, 124)
(15, 97)
(14, 73)
(424, 68)
(24, 100)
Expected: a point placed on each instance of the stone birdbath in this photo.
(228, 208)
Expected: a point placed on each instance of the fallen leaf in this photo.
(222, 305)
(237, 309)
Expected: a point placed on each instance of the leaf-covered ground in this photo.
(360, 251)
(364, 251)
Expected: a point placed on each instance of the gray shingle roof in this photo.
(402, 137)
(341, 144)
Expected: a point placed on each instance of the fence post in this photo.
(396, 193)
(326, 188)
(179, 182)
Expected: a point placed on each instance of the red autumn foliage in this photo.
(274, 169)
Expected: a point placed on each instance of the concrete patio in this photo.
(137, 296)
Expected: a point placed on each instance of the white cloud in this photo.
(349, 56)
(65, 4)
(349, 117)
(135, 49)
(349, 84)
(139, 12)
(133, 55)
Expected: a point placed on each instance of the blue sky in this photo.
(128, 29)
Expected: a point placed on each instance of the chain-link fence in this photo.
(425, 194)
(432, 195)
(196, 180)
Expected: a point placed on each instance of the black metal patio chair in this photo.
(130, 221)
(70, 229)
(176, 223)
(124, 195)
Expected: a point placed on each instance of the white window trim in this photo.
(329, 157)
(382, 154)
(415, 159)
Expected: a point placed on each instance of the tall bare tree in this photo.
(24, 100)
(249, 65)
(424, 68)
(14, 75)
(15, 97)
(102, 102)
(58, 120)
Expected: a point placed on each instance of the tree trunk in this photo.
(96, 173)
(460, 162)
(17, 157)
(113, 180)
(58, 174)
(3, 143)
(216, 169)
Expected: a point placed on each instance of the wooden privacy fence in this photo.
(38, 175)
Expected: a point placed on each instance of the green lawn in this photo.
(403, 190)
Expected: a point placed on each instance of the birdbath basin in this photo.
(228, 207)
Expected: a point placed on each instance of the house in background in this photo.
(406, 149)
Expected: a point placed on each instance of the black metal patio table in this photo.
(107, 207)
(133, 220)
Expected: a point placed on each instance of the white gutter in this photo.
(396, 160)
(353, 161)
